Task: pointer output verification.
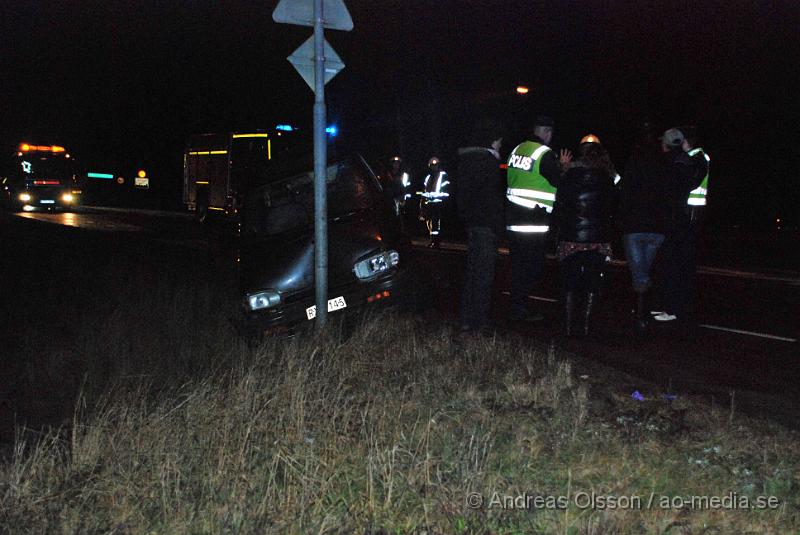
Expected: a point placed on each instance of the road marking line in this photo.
(714, 327)
(749, 333)
(536, 298)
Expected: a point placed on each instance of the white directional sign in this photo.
(303, 61)
(301, 12)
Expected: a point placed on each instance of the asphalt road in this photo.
(746, 341)
(172, 227)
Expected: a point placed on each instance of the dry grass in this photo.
(387, 428)
(388, 431)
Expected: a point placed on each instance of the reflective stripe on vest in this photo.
(530, 198)
(697, 197)
(526, 185)
(528, 229)
(531, 194)
(538, 152)
(437, 192)
(698, 150)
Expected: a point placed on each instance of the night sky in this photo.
(126, 82)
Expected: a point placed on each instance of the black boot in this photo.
(588, 311)
(569, 313)
(641, 312)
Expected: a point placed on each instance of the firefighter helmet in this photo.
(590, 138)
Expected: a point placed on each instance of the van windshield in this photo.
(287, 205)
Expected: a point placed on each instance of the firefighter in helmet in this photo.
(396, 184)
(434, 194)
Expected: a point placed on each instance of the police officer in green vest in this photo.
(701, 160)
(533, 175)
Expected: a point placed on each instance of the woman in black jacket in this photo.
(583, 213)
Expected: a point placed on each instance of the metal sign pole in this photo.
(320, 165)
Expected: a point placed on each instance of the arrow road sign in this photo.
(303, 61)
(301, 12)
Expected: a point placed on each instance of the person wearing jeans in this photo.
(640, 250)
(651, 204)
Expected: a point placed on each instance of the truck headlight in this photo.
(261, 300)
(25, 197)
(67, 197)
(376, 264)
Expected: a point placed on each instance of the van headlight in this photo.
(24, 197)
(376, 264)
(261, 300)
(67, 197)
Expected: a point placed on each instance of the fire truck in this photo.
(219, 168)
(41, 177)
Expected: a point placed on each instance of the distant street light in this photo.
(522, 90)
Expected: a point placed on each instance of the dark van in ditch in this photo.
(276, 258)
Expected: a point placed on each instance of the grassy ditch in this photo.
(396, 429)
(168, 423)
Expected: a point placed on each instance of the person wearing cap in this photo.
(434, 194)
(480, 207)
(534, 171)
(679, 248)
(651, 204)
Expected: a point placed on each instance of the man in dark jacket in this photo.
(480, 207)
(651, 206)
(679, 246)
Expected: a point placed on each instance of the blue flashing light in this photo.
(332, 130)
(285, 127)
(105, 176)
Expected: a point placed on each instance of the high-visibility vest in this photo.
(405, 181)
(435, 191)
(697, 197)
(527, 187)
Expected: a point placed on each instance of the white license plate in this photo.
(47, 201)
(337, 303)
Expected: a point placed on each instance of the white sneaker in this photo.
(664, 316)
